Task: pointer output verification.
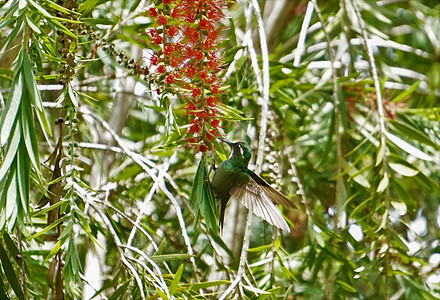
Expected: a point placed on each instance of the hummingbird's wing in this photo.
(256, 200)
(272, 193)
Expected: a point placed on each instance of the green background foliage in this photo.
(338, 100)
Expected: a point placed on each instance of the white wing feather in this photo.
(256, 200)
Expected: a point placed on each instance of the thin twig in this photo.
(383, 132)
(303, 34)
(340, 188)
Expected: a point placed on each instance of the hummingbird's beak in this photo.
(225, 141)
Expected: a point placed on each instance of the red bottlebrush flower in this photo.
(196, 92)
(215, 123)
(167, 1)
(203, 148)
(161, 69)
(162, 20)
(153, 12)
(192, 140)
(172, 31)
(194, 128)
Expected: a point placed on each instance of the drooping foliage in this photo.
(109, 117)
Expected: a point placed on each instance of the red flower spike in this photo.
(189, 61)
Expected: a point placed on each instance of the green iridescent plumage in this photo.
(233, 179)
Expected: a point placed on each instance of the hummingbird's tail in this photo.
(222, 214)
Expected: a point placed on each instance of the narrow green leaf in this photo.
(46, 229)
(400, 188)
(23, 177)
(403, 170)
(383, 184)
(54, 251)
(3, 294)
(12, 198)
(11, 151)
(60, 8)
(10, 274)
(400, 206)
(206, 284)
(407, 129)
(169, 257)
(43, 211)
(176, 280)
(260, 248)
(9, 114)
(66, 231)
(380, 154)
(345, 286)
(88, 5)
(383, 221)
(35, 98)
(161, 294)
(32, 25)
(407, 147)
(403, 95)
(120, 292)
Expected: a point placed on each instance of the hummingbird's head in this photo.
(240, 150)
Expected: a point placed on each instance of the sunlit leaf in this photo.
(383, 184)
(403, 170)
(176, 280)
(408, 147)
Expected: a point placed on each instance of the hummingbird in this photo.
(232, 178)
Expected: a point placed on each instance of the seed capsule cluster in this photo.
(68, 43)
